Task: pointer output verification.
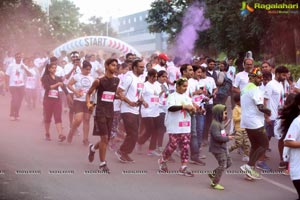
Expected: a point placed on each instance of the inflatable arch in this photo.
(100, 42)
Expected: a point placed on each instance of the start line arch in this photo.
(104, 43)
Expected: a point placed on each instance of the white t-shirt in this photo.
(159, 68)
(293, 134)
(16, 75)
(68, 67)
(39, 62)
(241, 80)
(251, 117)
(117, 102)
(31, 81)
(194, 85)
(274, 93)
(210, 85)
(82, 84)
(163, 97)
(173, 74)
(96, 66)
(297, 85)
(180, 121)
(151, 97)
(231, 73)
(133, 87)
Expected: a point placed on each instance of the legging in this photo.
(174, 140)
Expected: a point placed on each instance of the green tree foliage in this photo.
(23, 25)
(231, 32)
(95, 26)
(64, 19)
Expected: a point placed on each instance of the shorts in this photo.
(270, 128)
(80, 106)
(102, 126)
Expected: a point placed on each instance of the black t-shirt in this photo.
(105, 96)
(47, 81)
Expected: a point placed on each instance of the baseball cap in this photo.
(256, 71)
(163, 56)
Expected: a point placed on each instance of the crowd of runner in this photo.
(134, 100)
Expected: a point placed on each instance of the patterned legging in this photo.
(175, 139)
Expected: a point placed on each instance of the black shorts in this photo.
(80, 106)
(102, 126)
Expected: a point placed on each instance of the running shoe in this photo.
(128, 158)
(197, 161)
(91, 153)
(282, 165)
(217, 186)
(104, 169)
(250, 171)
(61, 138)
(185, 171)
(162, 166)
(153, 153)
(47, 137)
(245, 159)
(262, 166)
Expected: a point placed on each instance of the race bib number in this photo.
(108, 96)
(154, 99)
(223, 133)
(53, 94)
(184, 124)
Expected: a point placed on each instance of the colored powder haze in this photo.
(193, 22)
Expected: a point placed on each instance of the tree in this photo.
(95, 26)
(231, 32)
(64, 19)
(23, 26)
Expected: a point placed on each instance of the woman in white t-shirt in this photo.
(178, 124)
(79, 85)
(150, 112)
(291, 124)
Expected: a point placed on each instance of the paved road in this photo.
(34, 169)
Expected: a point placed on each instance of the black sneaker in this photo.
(104, 169)
(282, 165)
(197, 162)
(121, 157)
(91, 153)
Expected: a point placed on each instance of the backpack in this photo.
(225, 88)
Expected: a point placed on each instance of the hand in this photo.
(60, 84)
(69, 100)
(230, 137)
(132, 104)
(145, 104)
(90, 106)
(78, 94)
(267, 112)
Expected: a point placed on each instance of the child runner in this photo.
(218, 145)
(178, 125)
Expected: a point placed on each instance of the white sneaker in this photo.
(245, 168)
(245, 159)
(153, 153)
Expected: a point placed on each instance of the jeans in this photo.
(197, 123)
(17, 94)
(131, 125)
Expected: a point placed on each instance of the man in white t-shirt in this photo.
(97, 68)
(252, 119)
(70, 70)
(15, 79)
(274, 100)
(242, 79)
(162, 62)
(130, 92)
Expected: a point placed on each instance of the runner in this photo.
(82, 83)
(105, 87)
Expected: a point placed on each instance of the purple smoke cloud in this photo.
(193, 22)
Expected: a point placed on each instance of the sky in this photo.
(110, 8)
